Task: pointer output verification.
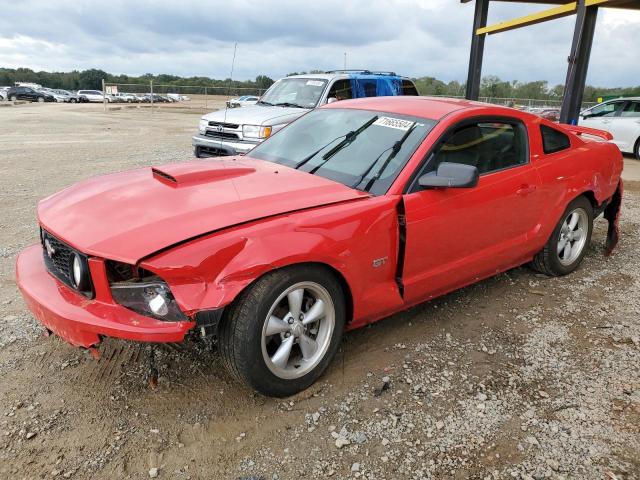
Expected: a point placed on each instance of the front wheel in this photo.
(73, 100)
(569, 241)
(280, 335)
(40, 99)
(13, 98)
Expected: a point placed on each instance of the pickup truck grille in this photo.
(57, 259)
(212, 134)
(233, 126)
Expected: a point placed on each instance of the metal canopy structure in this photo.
(586, 12)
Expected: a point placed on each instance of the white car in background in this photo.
(621, 118)
(242, 101)
(93, 95)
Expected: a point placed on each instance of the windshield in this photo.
(295, 92)
(361, 149)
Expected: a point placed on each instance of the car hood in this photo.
(130, 215)
(256, 115)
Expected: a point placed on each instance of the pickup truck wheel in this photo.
(196, 152)
(569, 241)
(283, 331)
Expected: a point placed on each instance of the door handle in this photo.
(525, 189)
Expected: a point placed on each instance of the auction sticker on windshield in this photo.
(391, 122)
(315, 83)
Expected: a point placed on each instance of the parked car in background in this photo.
(355, 211)
(177, 97)
(3, 92)
(94, 95)
(238, 130)
(551, 114)
(66, 95)
(58, 97)
(242, 101)
(29, 94)
(620, 117)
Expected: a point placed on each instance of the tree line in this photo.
(491, 85)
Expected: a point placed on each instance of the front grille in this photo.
(212, 134)
(233, 126)
(58, 258)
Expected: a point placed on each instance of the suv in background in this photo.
(94, 95)
(237, 130)
(621, 118)
(28, 93)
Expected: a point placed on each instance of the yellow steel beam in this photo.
(538, 17)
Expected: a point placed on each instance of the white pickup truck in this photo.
(237, 130)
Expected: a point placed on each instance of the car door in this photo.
(455, 236)
(23, 93)
(595, 117)
(625, 128)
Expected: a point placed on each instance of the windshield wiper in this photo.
(394, 151)
(316, 152)
(288, 104)
(262, 102)
(348, 139)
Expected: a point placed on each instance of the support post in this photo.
(104, 97)
(578, 62)
(151, 88)
(477, 50)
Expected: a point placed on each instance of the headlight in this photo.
(153, 299)
(202, 126)
(255, 131)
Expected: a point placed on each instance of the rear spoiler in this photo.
(588, 131)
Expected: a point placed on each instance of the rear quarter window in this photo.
(553, 140)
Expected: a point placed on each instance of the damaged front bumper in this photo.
(80, 321)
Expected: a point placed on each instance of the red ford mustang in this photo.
(353, 212)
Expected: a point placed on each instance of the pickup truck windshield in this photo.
(361, 149)
(295, 92)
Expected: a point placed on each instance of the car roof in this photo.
(347, 74)
(433, 108)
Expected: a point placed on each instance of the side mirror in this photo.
(450, 175)
(331, 100)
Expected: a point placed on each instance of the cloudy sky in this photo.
(412, 37)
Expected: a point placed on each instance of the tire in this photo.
(196, 152)
(13, 98)
(72, 100)
(263, 346)
(40, 99)
(636, 150)
(556, 258)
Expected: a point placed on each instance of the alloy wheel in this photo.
(298, 330)
(573, 236)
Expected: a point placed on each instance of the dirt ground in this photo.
(519, 376)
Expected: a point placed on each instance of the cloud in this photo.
(196, 38)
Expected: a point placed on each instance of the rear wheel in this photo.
(13, 98)
(568, 243)
(73, 100)
(40, 99)
(283, 331)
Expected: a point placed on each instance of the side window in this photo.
(408, 88)
(553, 140)
(341, 90)
(606, 109)
(488, 146)
(631, 109)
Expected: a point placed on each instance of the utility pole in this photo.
(345, 60)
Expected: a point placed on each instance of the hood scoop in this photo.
(195, 173)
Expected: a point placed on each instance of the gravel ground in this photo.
(520, 376)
